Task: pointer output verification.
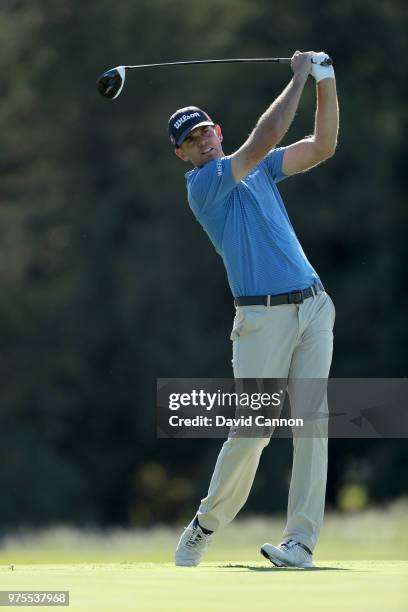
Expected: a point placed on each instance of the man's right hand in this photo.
(301, 63)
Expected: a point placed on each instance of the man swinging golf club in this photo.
(283, 327)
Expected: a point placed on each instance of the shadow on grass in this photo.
(257, 568)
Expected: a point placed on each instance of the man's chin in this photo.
(209, 156)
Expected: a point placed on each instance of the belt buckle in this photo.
(296, 297)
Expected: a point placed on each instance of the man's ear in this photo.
(218, 131)
(180, 153)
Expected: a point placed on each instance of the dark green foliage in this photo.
(108, 282)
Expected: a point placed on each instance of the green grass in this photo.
(247, 586)
(361, 567)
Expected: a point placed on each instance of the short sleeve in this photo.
(274, 161)
(210, 184)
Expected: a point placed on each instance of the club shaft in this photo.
(254, 60)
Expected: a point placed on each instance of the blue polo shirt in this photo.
(248, 224)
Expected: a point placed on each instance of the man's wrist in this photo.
(328, 81)
(300, 78)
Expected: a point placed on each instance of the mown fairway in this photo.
(361, 560)
(335, 587)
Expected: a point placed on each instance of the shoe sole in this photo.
(178, 564)
(273, 561)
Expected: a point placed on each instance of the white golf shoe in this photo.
(192, 545)
(288, 554)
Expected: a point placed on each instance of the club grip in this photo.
(326, 62)
(287, 60)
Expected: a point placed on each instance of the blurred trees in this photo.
(108, 282)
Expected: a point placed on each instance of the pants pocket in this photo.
(237, 324)
(333, 309)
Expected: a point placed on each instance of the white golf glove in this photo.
(318, 71)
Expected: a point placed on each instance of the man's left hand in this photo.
(319, 71)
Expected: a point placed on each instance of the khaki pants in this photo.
(286, 341)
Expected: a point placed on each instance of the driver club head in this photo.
(111, 82)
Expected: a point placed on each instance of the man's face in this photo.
(201, 145)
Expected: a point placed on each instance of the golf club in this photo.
(111, 82)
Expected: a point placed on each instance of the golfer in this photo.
(283, 327)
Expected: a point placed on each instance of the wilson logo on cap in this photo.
(185, 118)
